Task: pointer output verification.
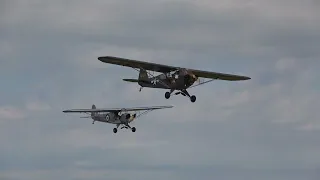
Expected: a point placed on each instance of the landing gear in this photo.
(92, 122)
(193, 98)
(115, 130)
(184, 92)
(125, 126)
(167, 95)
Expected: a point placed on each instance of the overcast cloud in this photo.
(266, 128)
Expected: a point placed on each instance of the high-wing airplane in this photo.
(172, 78)
(118, 116)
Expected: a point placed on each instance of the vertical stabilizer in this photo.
(143, 75)
(93, 113)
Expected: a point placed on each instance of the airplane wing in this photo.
(221, 76)
(167, 69)
(138, 64)
(116, 109)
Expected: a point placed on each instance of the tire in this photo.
(133, 129)
(115, 130)
(167, 95)
(193, 98)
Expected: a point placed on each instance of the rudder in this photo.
(143, 75)
(93, 107)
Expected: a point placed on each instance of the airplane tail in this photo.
(143, 75)
(93, 113)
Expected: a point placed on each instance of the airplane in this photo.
(172, 78)
(119, 116)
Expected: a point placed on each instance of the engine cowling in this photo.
(188, 77)
(124, 118)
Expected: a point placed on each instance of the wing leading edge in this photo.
(116, 109)
(137, 64)
(220, 76)
(165, 68)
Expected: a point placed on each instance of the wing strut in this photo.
(205, 82)
(143, 113)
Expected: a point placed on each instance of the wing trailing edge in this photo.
(131, 80)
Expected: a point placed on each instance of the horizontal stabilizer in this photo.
(131, 80)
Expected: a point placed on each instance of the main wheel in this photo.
(167, 95)
(115, 130)
(193, 98)
(133, 129)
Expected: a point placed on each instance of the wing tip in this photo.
(242, 78)
(170, 106)
(105, 58)
(101, 58)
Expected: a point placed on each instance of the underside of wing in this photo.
(90, 110)
(137, 64)
(131, 80)
(146, 108)
(116, 109)
(220, 76)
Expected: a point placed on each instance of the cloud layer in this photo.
(265, 128)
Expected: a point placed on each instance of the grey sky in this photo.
(265, 128)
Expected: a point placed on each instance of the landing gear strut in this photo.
(193, 98)
(168, 94)
(133, 129)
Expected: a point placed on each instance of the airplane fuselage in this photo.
(165, 81)
(112, 118)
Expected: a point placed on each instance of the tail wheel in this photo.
(167, 95)
(115, 130)
(133, 129)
